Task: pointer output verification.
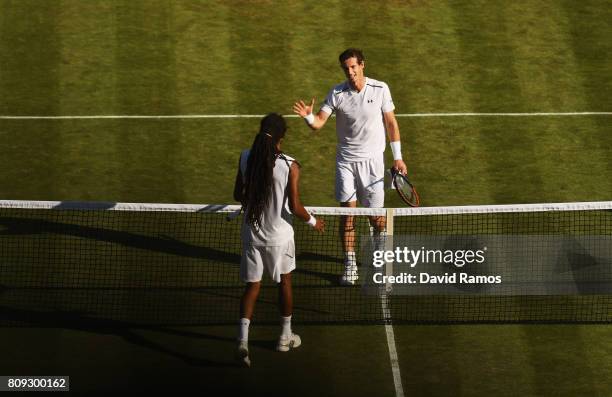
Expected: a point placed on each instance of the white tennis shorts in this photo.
(361, 181)
(278, 260)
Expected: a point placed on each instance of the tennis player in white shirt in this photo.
(364, 113)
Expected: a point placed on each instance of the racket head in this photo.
(405, 189)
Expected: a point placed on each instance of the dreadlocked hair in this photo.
(260, 167)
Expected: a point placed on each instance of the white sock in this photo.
(350, 258)
(243, 331)
(286, 326)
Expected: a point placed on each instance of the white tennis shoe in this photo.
(350, 275)
(286, 343)
(242, 353)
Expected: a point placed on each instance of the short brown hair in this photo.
(351, 53)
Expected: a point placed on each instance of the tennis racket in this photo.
(405, 189)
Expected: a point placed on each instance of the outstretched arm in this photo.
(295, 205)
(314, 121)
(394, 138)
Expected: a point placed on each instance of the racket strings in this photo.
(406, 191)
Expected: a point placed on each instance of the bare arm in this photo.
(303, 110)
(295, 205)
(394, 136)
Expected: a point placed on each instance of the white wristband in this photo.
(396, 148)
(312, 221)
(310, 118)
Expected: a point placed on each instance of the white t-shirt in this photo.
(276, 224)
(359, 120)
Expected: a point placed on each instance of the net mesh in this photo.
(115, 264)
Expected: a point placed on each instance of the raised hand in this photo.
(301, 109)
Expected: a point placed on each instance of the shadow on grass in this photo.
(162, 244)
(127, 331)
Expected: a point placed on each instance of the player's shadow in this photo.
(304, 260)
(162, 244)
(262, 344)
(73, 320)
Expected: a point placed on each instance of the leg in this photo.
(288, 339)
(249, 297)
(378, 227)
(371, 193)
(285, 295)
(347, 228)
(346, 194)
(348, 235)
(378, 223)
(247, 305)
(378, 232)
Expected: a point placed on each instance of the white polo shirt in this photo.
(359, 120)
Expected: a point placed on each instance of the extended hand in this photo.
(301, 109)
(320, 226)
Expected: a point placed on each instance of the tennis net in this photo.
(118, 264)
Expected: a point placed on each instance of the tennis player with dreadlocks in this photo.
(267, 186)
